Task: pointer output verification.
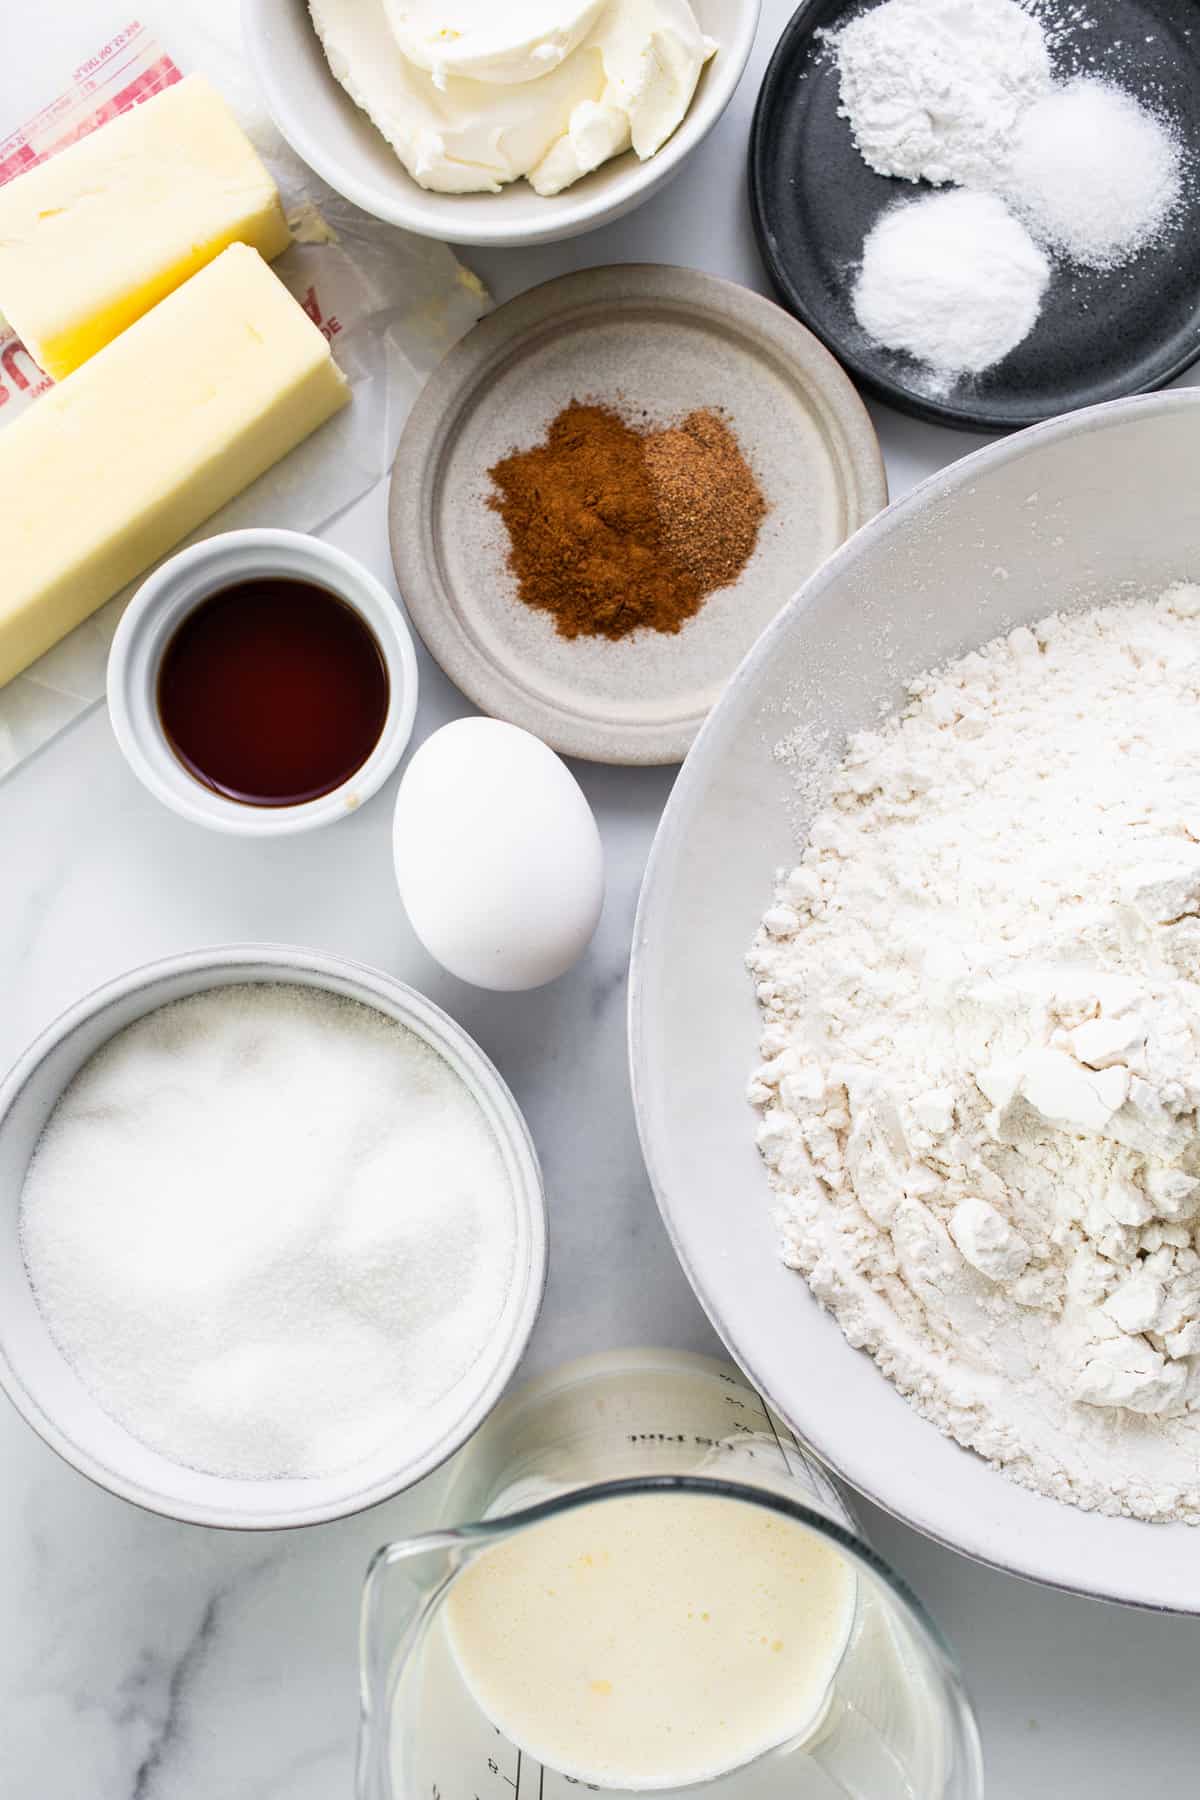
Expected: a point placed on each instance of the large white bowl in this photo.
(1063, 513)
(45, 1388)
(323, 125)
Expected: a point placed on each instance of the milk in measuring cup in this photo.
(645, 1582)
(653, 1640)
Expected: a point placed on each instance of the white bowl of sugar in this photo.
(271, 1254)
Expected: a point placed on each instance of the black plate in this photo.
(814, 199)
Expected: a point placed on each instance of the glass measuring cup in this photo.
(895, 1723)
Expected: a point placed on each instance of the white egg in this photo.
(498, 857)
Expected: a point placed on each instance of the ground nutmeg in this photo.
(613, 528)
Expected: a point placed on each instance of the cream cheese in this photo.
(549, 90)
(465, 37)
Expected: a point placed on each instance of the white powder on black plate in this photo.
(964, 92)
(953, 279)
(1092, 173)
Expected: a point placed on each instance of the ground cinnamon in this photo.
(612, 529)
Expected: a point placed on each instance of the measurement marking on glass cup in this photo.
(679, 1437)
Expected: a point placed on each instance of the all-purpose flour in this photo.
(980, 1092)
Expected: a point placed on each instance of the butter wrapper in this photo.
(391, 304)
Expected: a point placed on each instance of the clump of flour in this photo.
(980, 1092)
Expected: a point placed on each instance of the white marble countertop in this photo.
(143, 1660)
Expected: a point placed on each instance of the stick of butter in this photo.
(94, 237)
(113, 466)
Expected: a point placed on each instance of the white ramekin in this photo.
(45, 1388)
(179, 585)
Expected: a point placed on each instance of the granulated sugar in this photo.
(270, 1228)
(1092, 173)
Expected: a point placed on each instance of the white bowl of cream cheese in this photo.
(480, 124)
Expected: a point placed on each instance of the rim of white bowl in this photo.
(858, 1471)
(231, 964)
(431, 214)
(182, 583)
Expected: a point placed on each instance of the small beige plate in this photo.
(661, 341)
